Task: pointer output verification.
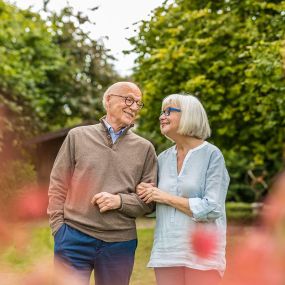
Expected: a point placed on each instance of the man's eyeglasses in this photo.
(167, 111)
(129, 101)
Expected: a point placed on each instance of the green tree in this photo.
(227, 53)
(51, 73)
(88, 69)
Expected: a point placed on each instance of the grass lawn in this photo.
(34, 242)
(142, 275)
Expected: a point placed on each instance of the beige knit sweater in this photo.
(88, 163)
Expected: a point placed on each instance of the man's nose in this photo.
(134, 107)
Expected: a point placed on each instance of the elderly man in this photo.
(92, 199)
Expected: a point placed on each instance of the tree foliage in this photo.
(228, 54)
(51, 73)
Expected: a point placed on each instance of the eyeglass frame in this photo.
(140, 106)
(168, 111)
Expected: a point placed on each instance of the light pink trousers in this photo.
(186, 276)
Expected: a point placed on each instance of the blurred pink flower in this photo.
(259, 258)
(43, 273)
(204, 241)
(5, 233)
(30, 204)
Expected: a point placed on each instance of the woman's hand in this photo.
(149, 193)
(142, 186)
(144, 191)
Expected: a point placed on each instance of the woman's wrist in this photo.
(168, 199)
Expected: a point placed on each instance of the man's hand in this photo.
(106, 201)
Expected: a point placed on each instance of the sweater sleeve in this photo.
(60, 179)
(211, 205)
(132, 205)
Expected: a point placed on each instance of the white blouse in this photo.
(204, 180)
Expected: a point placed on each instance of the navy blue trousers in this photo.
(112, 262)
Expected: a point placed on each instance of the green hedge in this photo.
(13, 176)
(239, 212)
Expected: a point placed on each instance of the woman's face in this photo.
(169, 120)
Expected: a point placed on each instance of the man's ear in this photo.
(107, 102)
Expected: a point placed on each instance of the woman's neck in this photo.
(185, 143)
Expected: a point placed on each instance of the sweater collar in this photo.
(105, 127)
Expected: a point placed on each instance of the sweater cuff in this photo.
(121, 207)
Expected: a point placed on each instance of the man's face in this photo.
(117, 102)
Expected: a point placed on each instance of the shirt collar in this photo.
(193, 149)
(110, 128)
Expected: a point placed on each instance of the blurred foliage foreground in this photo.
(255, 255)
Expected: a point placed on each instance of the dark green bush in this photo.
(14, 176)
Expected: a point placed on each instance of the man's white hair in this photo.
(105, 96)
(129, 85)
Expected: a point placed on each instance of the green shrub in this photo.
(239, 212)
(13, 177)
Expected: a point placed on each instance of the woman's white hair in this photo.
(194, 121)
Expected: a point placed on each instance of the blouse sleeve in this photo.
(212, 203)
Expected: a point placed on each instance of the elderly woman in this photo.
(193, 182)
